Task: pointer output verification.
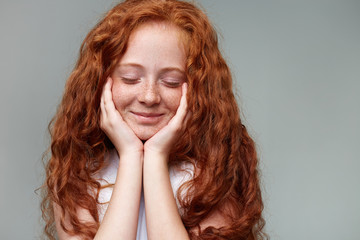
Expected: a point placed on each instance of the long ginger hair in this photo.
(215, 140)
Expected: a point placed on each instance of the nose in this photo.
(149, 93)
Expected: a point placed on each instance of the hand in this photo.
(163, 140)
(111, 122)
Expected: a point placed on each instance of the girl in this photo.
(147, 141)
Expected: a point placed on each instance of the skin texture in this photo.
(143, 163)
(223, 200)
(156, 56)
(153, 50)
(147, 81)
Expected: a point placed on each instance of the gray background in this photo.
(296, 65)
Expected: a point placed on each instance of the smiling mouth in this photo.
(147, 118)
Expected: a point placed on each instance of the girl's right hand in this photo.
(118, 131)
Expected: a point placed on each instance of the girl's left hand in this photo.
(163, 140)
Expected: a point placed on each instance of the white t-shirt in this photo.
(108, 174)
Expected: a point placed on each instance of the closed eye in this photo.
(172, 83)
(129, 80)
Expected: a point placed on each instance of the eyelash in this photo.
(171, 84)
(129, 80)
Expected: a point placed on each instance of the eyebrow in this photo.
(163, 70)
(131, 65)
(172, 69)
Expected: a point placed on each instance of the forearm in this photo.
(162, 216)
(121, 218)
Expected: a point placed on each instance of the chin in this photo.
(146, 132)
(145, 135)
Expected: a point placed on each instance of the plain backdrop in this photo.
(296, 68)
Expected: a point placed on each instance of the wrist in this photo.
(132, 150)
(131, 155)
(155, 159)
(153, 151)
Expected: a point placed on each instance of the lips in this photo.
(147, 118)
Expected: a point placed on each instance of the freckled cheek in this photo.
(172, 100)
(120, 97)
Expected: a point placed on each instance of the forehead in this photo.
(156, 27)
(155, 44)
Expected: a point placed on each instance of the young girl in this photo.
(147, 141)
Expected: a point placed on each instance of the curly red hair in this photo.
(215, 140)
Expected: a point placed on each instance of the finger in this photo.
(108, 99)
(182, 109)
(102, 99)
(102, 105)
(107, 91)
(103, 113)
(102, 93)
(183, 102)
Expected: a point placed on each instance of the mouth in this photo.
(147, 118)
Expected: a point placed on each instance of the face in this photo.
(147, 81)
